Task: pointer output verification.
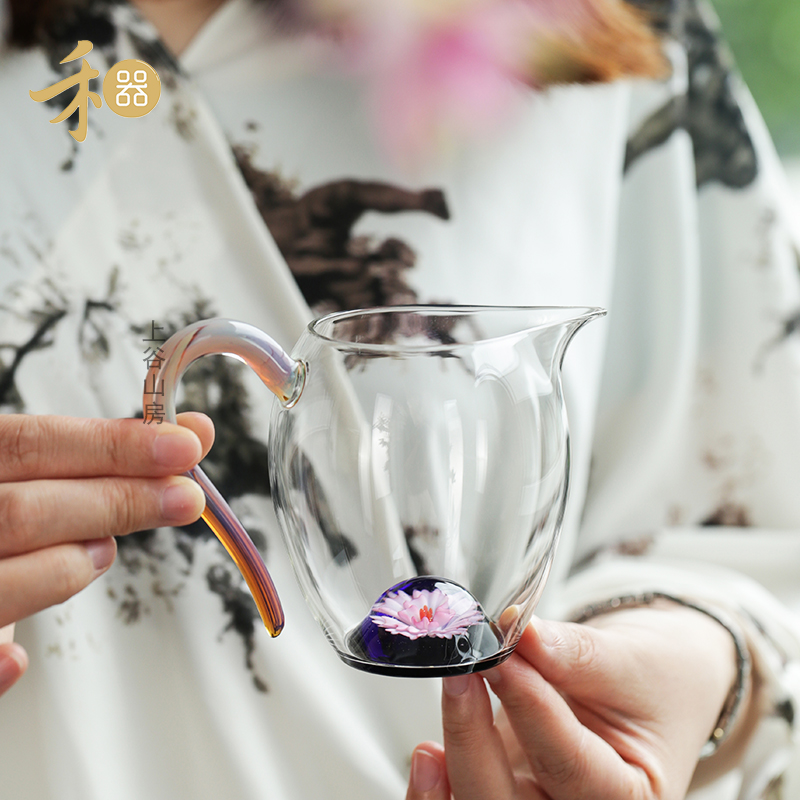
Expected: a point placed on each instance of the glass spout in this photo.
(556, 331)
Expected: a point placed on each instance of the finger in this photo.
(569, 762)
(202, 427)
(477, 765)
(516, 755)
(7, 634)
(47, 446)
(13, 663)
(37, 514)
(428, 780)
(33, 581)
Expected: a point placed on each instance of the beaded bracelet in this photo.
(733, 702)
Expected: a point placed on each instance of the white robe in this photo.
(684, 401)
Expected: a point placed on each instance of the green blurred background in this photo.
(765, 38)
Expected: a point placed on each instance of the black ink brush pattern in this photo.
(43, 320)
(708, 111)
(336, 269)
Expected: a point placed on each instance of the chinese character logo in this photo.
(82, 96)
(131, 88)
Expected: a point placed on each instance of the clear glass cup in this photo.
(419, 460)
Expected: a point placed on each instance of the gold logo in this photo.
(82, 96)
(131, 88)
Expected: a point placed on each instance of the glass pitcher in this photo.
(419, 463)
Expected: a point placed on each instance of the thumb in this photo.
(428, 779)
(580, 660)
(13, 663)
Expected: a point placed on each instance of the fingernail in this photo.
(102, 552)
(508, 618)
(425, 771)
(456, 684)
(180, 501)
(176, 450)
(12, 664)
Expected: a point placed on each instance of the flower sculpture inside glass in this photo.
(428, 623)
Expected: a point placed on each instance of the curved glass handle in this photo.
(284, 376)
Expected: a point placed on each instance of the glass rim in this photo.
(572, 314)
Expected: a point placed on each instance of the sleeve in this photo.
(696, 457)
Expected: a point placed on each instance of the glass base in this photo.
(405, 671)
(425, 626)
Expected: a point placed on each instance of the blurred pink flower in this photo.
(426, 613)
(441, 72)
(450, 82)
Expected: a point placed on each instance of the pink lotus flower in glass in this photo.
(426, 612)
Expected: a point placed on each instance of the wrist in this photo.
(724, 669)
